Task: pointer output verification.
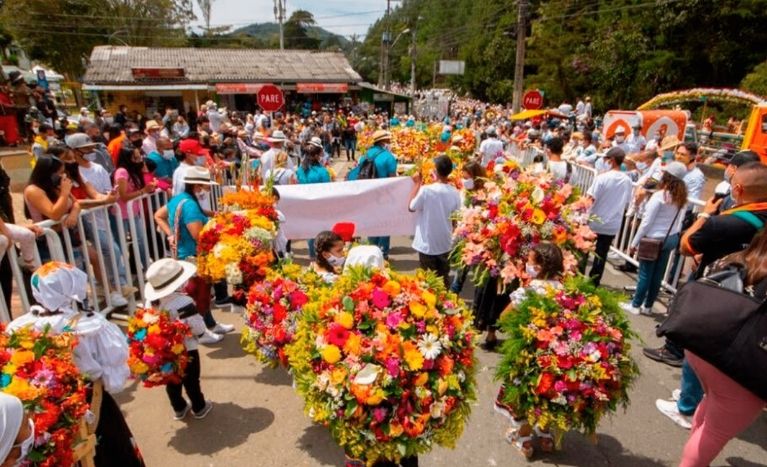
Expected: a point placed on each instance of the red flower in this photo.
(337, 335)
(545, 384)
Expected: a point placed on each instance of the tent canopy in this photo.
(528, 114)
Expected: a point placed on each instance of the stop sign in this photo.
(270, 98)
(532, 100)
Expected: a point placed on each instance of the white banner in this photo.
(377, 207)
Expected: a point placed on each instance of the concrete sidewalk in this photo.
(258, 419)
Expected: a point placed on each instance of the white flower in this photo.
(367, 375)
(429, 346)
(437, 409)
(218, 249)
(560, 399)
(537, 195)
(233, 274)
(150, 318)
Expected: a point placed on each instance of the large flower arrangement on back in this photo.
(237, 246)
(158, 355)
(567, 360)
(515, 211)
(386, 361)
(38, 368)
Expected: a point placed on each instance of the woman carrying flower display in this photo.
(545, 265)
(101, 353)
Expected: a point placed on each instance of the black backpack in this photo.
(368, 169)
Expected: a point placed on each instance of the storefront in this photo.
(381, 99)
(150, 80)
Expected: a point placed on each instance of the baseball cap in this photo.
(615, 152)
(743, 157)
(79, 141)
(191, 146)
(677, 169)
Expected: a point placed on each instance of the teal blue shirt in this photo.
(190, 212)
(386, 163)
(165, 167)
(315, 174)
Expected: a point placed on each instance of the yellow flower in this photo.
(395, 429)
(422, 379)
(338, 376)
(417, 309)
(392, 288)
(539, 217)
(177, 348)
(353, 344)
(345, 319)
(20, 388)
(154, 329)
(375, 397)
(331, 354)
(430, 299)
(22, 357)
(413, 357)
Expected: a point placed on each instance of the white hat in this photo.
(620, 129)
(198, 176)
(677, 169)
(11, 416)
(277, 137)
(165, 276)
(315, 141)
(365, 255)
(79, 141)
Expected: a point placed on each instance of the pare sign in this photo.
(270, 98)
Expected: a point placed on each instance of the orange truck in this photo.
(653, 122)
(755, 137)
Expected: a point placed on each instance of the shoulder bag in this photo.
(650, 248)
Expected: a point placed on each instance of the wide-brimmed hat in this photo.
(277, 137)
(79, 141)
(152, 125)
(197, 175)
(315, 141)
(381, 135)
(165, 276)
(677, 169)
(669, 142)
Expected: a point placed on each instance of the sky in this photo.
(343, 17)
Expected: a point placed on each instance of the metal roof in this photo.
(113, 64)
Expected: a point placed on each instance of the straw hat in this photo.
(381, 135)
(277, 137)
(315, 141)
(669, 142)
(197, 175)
(165, 276)
(152, 125)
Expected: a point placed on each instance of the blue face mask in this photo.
(623, 167)
(668, 156)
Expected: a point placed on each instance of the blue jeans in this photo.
(140, 239)
(692, 391)
(651, 275)
(108, 248)
(312, 252)
(383, 243)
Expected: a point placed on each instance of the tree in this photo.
(205, 7)
(62, 33)
(756, 81)
(296, 31)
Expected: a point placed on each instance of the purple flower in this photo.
(379, 414)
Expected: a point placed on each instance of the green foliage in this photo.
(756, 81)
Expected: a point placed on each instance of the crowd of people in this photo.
(650, 178)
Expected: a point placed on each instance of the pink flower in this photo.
(379, 414)
(380, 299)
(394, 319)
(392, 367)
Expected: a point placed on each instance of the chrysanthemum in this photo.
(429, 346)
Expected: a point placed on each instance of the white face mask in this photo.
(531, 271)
(26, 445)
(468, 183)
(168, 154)
(90, 157)
(336, 261)
(200, 160)
(641, 166)
(619, 139)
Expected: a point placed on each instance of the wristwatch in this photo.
(704, 215)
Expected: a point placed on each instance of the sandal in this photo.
(524, 444)
(545, 440)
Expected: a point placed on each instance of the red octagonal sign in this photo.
(532, 100)
(270, 98)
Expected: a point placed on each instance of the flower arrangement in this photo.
(157, 351)
(567, 360)
(38, 368)
(236, 246)
(270, 318)
(516, 211)
(465, 140)
(387, 362)
(250, 199)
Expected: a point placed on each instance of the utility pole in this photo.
(519, 65)
(385, 39)
(279, 13)
(412, 60)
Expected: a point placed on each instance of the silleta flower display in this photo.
(157, 351)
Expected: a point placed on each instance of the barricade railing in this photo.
(147, 242)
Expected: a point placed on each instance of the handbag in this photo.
(718, 321)
(650, 248)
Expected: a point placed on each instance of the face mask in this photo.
(641, 166)
(202, 196)
(336, 261)
(200, 160)
(168, 154)
(531, 271)
(90, 157)
(137, 144)
(468, 183)
(668, 156)
(619, 139)
(26, 445)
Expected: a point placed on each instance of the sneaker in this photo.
(630, 288)
(182, 413)
(117, 299)
(670, 409)
(663, 355)
(629, 308)
(128, 290)
(613, 255)
(645, 310)
(676, 394)
(222, 302)
(503, 409)
(205, 410)
(210, 337)
(221, 328)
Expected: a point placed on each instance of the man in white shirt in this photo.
(435, 205)
(587, 108)
(619, 140)
(561, 170)
(695, 181)
(636, 141)
(215, 118)
(579, 107)
(277, 143)
(611, 193)
(491, 148)
(152, 133)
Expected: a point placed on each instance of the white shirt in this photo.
(149, 145)
(659, 213)
(282, 176)
(434, 205)
(611, 192)
(559, 169)
(490, 149)
(173, 303)
(215, 119)
(178, 178)
(579, 107)
(634, 143)
(695, 182)
(98, 177)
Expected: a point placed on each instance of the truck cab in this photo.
(755, 137)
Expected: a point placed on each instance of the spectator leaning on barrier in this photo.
(725, 187)
(99, 155)
(165, 160)
(611, 193)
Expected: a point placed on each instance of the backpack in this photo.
(368, 169)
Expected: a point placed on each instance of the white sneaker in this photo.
(670, 409)
(676, 394)
(223, 328)
(613, 255)
(210, 337)
(629, 308)
(117, 299)
(205, 410)
(645, 310)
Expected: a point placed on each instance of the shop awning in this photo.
(145, 87)
(318, 88)
(239, 88)
(528, 114)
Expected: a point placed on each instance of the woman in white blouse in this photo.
(101, 353)
(662, 221)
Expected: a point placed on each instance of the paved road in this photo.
(258, 419)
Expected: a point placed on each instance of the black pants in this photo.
(600, 257)
(437, 263)
(116, 446)
(411, 461)
(191, 383)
